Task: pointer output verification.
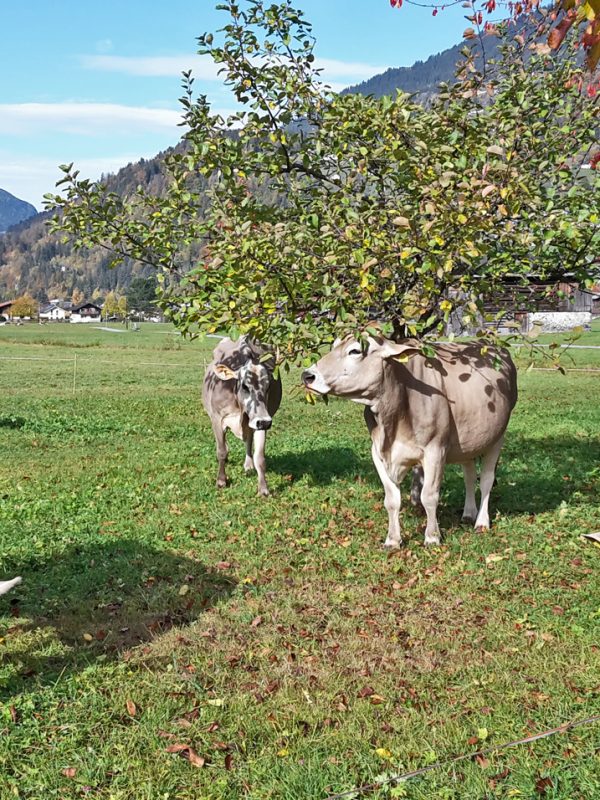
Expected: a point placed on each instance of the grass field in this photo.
(275, 637)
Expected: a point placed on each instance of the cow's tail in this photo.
(6, 586)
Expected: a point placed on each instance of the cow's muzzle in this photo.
(308, 377)
(263, 424)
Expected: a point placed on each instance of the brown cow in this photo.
(452, 409)
(241, 394)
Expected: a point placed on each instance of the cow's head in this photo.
(354, 369)
(252, 383)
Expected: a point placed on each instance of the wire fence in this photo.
(77, 362)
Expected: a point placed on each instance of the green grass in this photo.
(275, 636)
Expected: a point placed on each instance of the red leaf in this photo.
(542, 784)
(472, 740)
(366, 691)
(256, 621)
(13, 714)
(555, 39)
(482, 761)
(131, 708)
(228, 761)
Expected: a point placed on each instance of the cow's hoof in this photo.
(221, 484)
(482, 528)
(264, 492)
(387, 545)
(432, 541)
(467, 520)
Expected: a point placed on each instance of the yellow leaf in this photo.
(283, 752)
(383, 753)
(401, 222)
(183, 590)
(88, 637)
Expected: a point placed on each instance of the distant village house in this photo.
(86, 312)
(55, 312)
(5, 313)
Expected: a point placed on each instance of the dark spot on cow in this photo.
(464, 376)
(489, 390)
(492, 406)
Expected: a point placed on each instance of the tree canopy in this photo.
(319, 213)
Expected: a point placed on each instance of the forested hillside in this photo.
(422, 78)
(35, 261)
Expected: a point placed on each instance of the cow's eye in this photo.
(355, 351)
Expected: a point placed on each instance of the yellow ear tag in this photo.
(402, 358)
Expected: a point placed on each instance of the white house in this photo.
(86, 312)
(54, 312)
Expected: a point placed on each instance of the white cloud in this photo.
(84, 119)
(154, 66)
(353, 70)
(29, 178)
(204, 68)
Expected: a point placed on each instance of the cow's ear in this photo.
(224, 372)
(399, 351)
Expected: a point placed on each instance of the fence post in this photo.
(74, 372)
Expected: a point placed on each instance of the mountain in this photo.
(13, 210)
(424, 77)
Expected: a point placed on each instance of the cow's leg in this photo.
(433, 472)
(470, 508)
(222, 452)
(416, 487)
(260, 463)
(248, 461)
(486, 482)
(392, 500)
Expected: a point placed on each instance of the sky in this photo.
(97, 83)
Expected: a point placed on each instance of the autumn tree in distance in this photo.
(308, 214)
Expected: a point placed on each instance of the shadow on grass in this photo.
(93, 602)
(322, 465)
(13, 423)
(534, 475)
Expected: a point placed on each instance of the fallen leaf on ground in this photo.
(69, 772)
(185, 751)
(131, 708)
(542, 784)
